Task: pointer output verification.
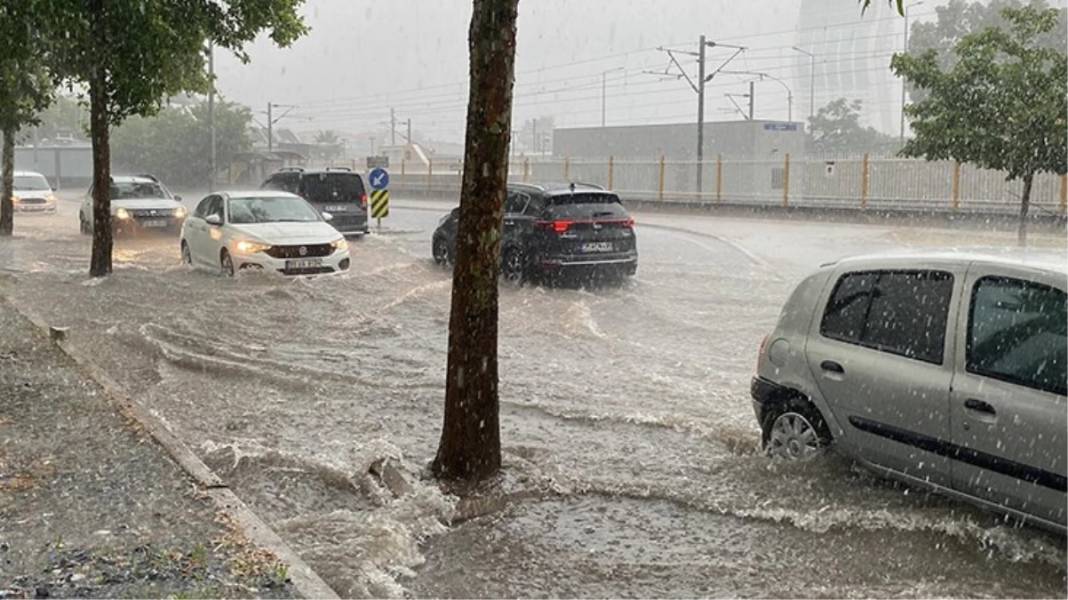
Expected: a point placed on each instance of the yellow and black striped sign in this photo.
(380, 203)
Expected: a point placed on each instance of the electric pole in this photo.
(752, 98)
(409, 136)
(698, 87)
(270, 129)
(392, 127)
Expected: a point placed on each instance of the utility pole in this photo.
(534, 134)
(409, 136)
(372, 145)
(752, 97)
(698, 87)
(604, 87)
(392, 127)
(212, 170)
(811, 83)
(270, 129)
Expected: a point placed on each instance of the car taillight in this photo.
(363, 200)
(627, 223)
(763, 347)
(558, 226)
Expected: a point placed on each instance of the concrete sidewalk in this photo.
(92, 506)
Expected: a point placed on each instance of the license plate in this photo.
(334, 208)
(304, 263)
(154, 223)
(597, 247)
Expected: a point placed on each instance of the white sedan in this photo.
(265, 231)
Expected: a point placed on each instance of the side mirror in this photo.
(327, 217)
(213, 219)
(177, 198)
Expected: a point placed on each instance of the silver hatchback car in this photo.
(943, 370)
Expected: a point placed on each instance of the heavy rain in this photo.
(731, 305)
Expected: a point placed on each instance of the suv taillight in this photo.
(558, 226)
(363, 200)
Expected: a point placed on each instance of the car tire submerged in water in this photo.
(226, 263)
(84, 226)
(187, 257)
(440, 250)
(795, 430)
(513, 265)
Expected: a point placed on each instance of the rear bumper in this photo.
(627, 263)
(350, 223)
(762, 391)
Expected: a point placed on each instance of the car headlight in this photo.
(248, 247)
(180, 212)
(340, 244)
(15, 200)
(51, 198)
(122, 214)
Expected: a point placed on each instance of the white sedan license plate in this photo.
(597, 247)
(304, 263)
(154, 223)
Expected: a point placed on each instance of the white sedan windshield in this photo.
(271, 210)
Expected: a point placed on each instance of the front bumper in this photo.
(335, 263)
(34, 207)
(149, 223)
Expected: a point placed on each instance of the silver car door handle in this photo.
(832, 367)
(979, 406)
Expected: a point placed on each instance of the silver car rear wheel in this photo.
(793, 437)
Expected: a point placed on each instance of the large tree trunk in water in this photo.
(470, 447)
(100, 262)
(7, 208)
(1025, 203)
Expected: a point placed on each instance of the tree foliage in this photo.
(836, 130)
(1002, 105)
(175, 145)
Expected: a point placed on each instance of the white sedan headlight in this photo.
(180, 212)
(249, 247)
(122, 214)
(340, 244)
(15, 200)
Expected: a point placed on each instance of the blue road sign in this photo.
(379, 178)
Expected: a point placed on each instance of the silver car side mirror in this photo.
(213, 219)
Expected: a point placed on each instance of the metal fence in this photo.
(862, 183)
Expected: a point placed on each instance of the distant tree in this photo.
(65, 116)
(25, 89)
(836, 130)
(470, 447)
(1001, 106)
(898, 5)
(959, 18)
(132, 54)
(175, 145)
(326, 138)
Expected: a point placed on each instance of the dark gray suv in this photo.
(334, 190)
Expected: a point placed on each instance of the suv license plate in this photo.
(154, 223)
(304, 263)
(334, 208)
(597, 247)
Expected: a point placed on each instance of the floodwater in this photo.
(628, 431)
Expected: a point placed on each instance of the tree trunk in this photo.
(7, 207)
(100, 262)
(470, 448)
(1025, 204)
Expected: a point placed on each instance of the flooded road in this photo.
(625, 409)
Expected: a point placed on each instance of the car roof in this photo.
(230, 195)
(317, 171)
(560, 188)
(1027, 258)
(25, 173)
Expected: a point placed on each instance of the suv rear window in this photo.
(1018, 332)
(900, 312)
(324, 188)
(586, 206)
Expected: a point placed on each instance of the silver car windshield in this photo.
(271, 210)
(31, 183)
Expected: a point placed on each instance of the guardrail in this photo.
(877, 184)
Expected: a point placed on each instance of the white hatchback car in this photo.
(262, 230)
(33, 193)
(946, 371)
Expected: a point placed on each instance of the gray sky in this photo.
(361, 57)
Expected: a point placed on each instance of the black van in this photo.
(334, 190)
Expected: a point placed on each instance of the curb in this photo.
(306, 581)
